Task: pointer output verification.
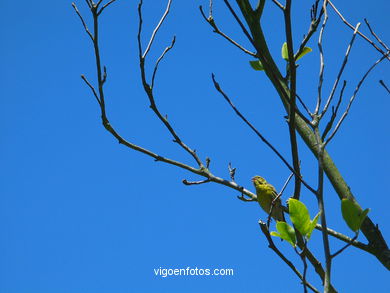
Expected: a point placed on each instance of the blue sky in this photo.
(81, 213)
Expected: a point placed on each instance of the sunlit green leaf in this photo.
(285, 51)
(304, 52)
(313, 224)
(299, 215)
(353, 214)
(363, 216)
(256, 65)
(286, 232)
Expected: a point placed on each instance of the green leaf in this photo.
(299, 215)
(285, 51)
(353, 214)
(363, 216)
(304, 52)
(286, 232)
(256, 65)
(313, 224)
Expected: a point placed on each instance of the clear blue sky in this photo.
(81, 213)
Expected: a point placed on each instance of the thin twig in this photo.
(185, 182)
(315, 21)
(305, 107)
(345, 247)
(277, 3)
(354, 28)
(242, 198)
(303, 258)
(140, 21)
(292, 101)
(232, 172)
(322, 63)
(160, 58)
(353, 97)
(304, 274)
(101, 77)
(384, 85)
(211, 8)
(91, 87)
(105, 6)
(89, 3)
(208, 160)
(376, 36)
(321, 207)
(82, 21)
(149, 88)
(286, 183)
(156, 28)
(277, 198)
(239, 22)
(316, 264)
(211, 22)
(345, 61)
(218, 88)
(314, 10)
(334, 112)
(347, 239)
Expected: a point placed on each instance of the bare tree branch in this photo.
(303, 258)
(334, 112)
(278, 4)
(210, 20)
(167, 49)
(340, 73)
(384, 85)
(156, 28)
(82, 20)
(306, 109)
(277, 198)
(232, 172)
(322, 63)
(347, 239)
(358, 32)
(99, 96)
(321, 207)
(376, 36)
(91, 87)
(345, 247)
(353, 97)
(185, 182)
(89, 3)
(218, 88)
(315, 20)
(149, 89)
(292, 101)
(246, 33)
(105, 6)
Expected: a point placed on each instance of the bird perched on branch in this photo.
(266, 193)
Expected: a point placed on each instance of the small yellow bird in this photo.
(266, 193)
